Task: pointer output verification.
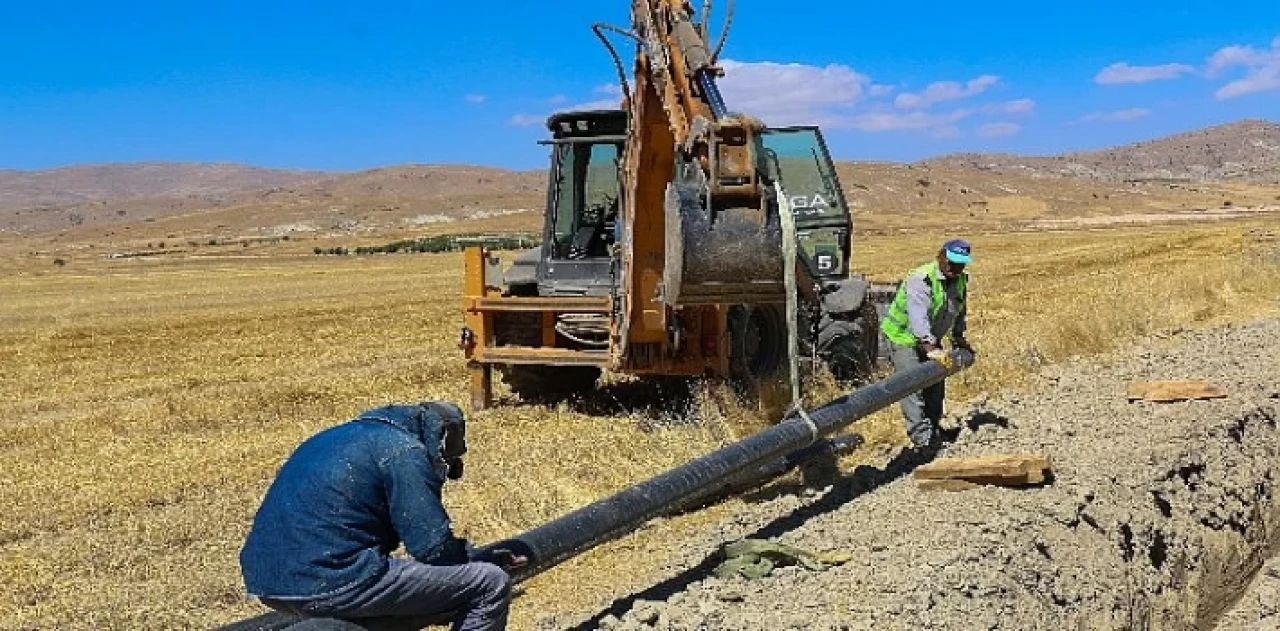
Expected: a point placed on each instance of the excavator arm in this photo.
(700, 222)
(675, 58)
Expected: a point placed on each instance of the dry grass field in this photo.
(146, 403)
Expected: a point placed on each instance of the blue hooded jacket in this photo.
(345, 499)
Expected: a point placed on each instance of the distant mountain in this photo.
(1235, 165)
(210, 197)
(1247, 151)
(78, 184)
(429, 180)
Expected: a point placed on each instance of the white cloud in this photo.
(995, 130)
(526, 120)
(834, 96)
(475, 99)
(558, 99)
(1262, 69)
(1124, 73)
(1020, 106)
(946, 132)
(1263, 80)
(1118, 116)
(839, 97)
(945, 91)
(600, 104)
(1241, 56)
(792, 94)
(899, 121)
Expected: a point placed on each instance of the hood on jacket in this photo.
(439, 425)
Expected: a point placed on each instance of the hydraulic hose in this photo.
(707, 82)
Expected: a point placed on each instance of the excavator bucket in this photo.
(735, 255)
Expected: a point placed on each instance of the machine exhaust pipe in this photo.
(765, 454)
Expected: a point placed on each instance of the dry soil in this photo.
(1159, 516)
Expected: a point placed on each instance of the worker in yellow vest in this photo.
(930, 304)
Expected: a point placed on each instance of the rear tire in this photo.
(549, 384)
(850, 346)
(758, 339)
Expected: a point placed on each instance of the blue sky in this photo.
(346, 86)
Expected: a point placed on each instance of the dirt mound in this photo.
(1159, 517)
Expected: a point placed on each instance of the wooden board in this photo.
(946, 485)
(1004, 470)
(1170, 391)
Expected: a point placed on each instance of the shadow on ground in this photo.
(846, 488)
(656, 401)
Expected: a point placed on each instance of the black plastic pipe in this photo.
(776, 449)
(623, 512)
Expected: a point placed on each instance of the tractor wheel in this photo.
(549, 384)
(758, 345)
(850, 346)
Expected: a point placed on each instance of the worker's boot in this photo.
(926, 442)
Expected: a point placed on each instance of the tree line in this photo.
(438, 243)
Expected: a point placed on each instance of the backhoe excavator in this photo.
(663, 238)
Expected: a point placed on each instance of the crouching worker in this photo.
(349, 496)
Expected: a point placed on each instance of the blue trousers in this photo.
(412, 595)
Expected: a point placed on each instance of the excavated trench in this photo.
(1160, 516)
(1258, 607)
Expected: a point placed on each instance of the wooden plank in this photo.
(1170, 391)
(946, 485)
(1001, 470)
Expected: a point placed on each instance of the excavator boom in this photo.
(704, 228)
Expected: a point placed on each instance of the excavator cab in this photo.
(583, 203)
(584, 199)
(797, 158)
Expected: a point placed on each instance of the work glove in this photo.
(504, 559)
(935, 353)
(453, 551)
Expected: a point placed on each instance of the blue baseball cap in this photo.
(958, 251)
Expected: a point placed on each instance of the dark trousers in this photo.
(412, 595)
(921, 411)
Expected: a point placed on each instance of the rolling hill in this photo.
(23, 190)
(1234, 165)
(1246, 151)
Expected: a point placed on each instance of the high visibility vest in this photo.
(896, 325)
